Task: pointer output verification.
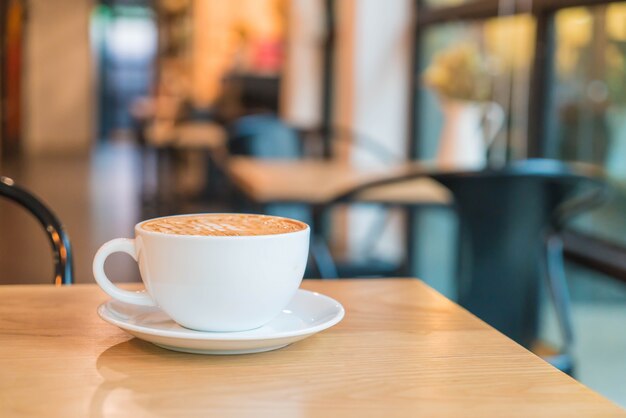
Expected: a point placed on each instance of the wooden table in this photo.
(401, 350)
(319, 181)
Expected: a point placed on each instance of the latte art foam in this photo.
(223, 225)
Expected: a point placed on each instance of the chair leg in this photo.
(559, 294)
(320, 253)
(375, 232)
(322, 258)
(557, 284)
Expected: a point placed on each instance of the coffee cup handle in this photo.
(121, 245)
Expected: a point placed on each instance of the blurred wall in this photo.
(370, 93)
(346, 39)
(302, 70)
(382, 51)
(372, 98)
(59, 94)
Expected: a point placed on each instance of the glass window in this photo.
(471, 51)
(587, 105)
(463, 52)
(585, 111)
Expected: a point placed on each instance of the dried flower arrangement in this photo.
(460, 72)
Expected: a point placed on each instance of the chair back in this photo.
(59, 239)
(264, 136)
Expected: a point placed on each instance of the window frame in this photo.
(584, 249)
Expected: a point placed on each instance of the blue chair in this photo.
(264, 136)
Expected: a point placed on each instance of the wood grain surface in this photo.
(401, 350)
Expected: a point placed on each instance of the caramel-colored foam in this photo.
(223, 225)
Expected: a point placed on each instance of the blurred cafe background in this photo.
(115, 111)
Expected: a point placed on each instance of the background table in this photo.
(317, 183)
(401, 350)
(320, 181)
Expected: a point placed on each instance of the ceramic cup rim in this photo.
(140, 230)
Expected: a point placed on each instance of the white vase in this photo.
(468, 130)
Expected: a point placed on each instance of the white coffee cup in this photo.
(211, 283)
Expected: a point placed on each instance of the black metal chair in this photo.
(63, 266)
(510, 220)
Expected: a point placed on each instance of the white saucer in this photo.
(307, 313)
